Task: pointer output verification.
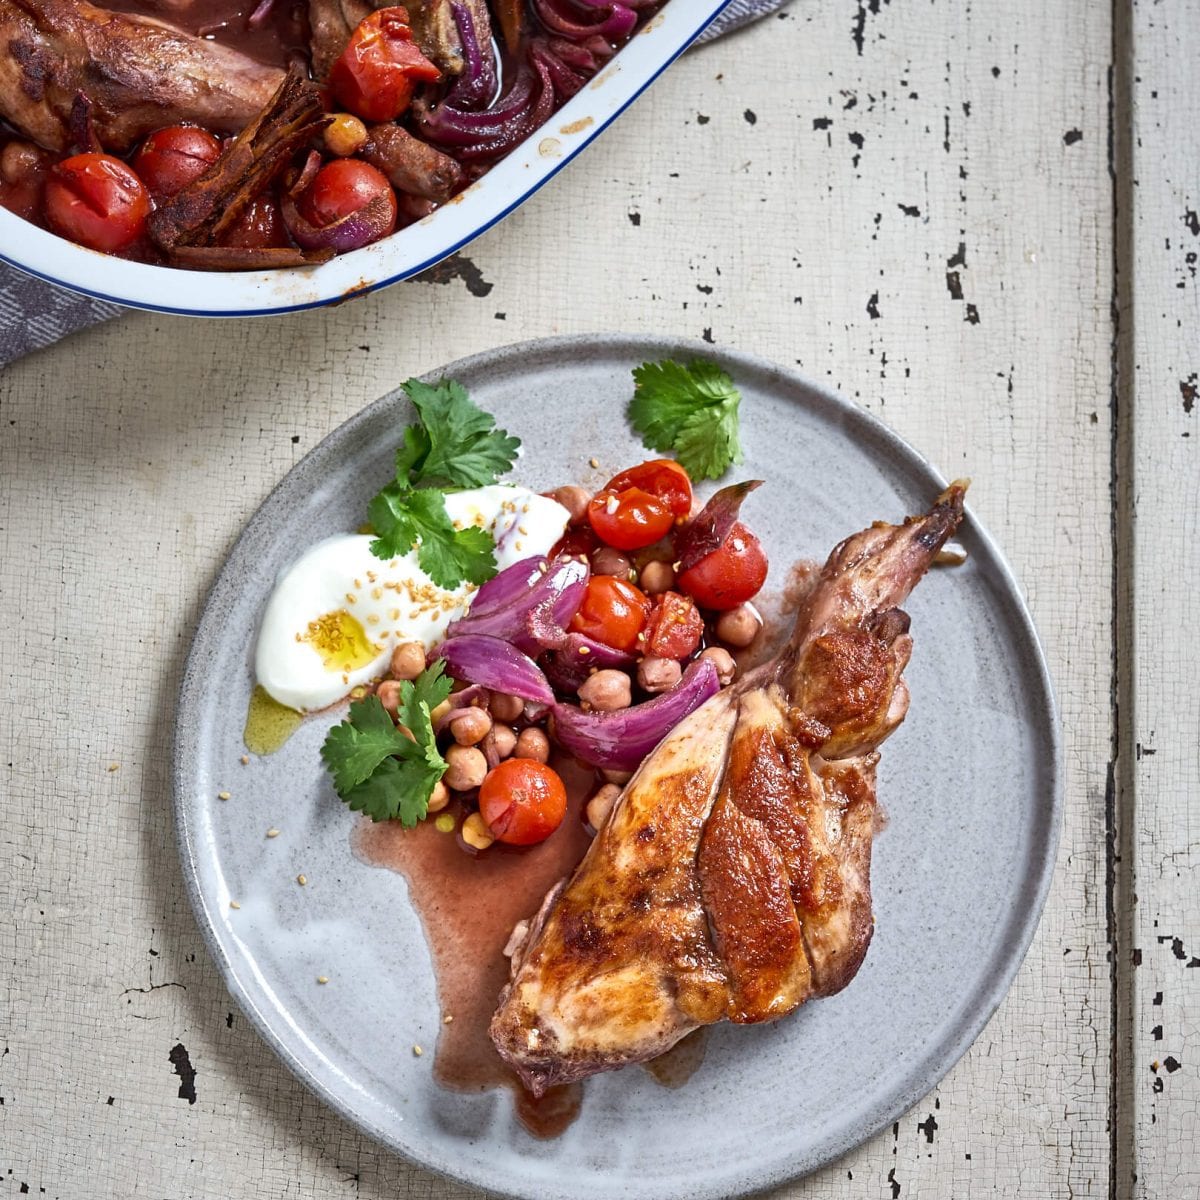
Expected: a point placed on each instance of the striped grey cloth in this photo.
(34, 314)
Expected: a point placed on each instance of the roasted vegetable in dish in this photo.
(349, 118)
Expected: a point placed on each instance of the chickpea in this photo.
(575, 500)
(504, 739)
(656, 578)
(389, 696)
(505, 707)
(345, 135)
(607, 690)
(476, 833)
(471, 728)
(439, 711)
(658, 674)
(739, 626)
(439, 797)
(607, 561)
(723, 661)
(621, 777)
(467, 768)
(601, 804)
(533, 743)
(408, 660)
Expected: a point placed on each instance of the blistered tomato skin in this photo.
(730, 575)
(630, 519)
(171, 158)
(379, 70)
(613, 612)
(661, 477)
(523, 801)
(97, 201)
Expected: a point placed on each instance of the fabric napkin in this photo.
(34, 313)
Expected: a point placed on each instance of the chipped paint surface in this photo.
(909, 217)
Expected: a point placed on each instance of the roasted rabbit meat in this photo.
(732, 878)
(137, 75)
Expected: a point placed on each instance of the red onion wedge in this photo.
(376, 219)
(529, 604)
(620, 740)
(709, 528)
(567, 18)
(497, 665)
(569, 665)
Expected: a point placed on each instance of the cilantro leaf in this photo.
(691, 410)
(377, 769)
(355, 748)
(397, 790)
(457, 444)
(404, 517)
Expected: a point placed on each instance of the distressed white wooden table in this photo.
(978, 220)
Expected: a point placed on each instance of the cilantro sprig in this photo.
(690, 410)
(377, 768)
(455, 445)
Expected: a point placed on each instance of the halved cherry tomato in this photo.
(342, 187)
(613, 612)
(97, 201)
(730, 575)
(523, 801)
(675, 627)
(379, 70)
(171, 158)
(661, 477)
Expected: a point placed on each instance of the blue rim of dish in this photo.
(376, 285)
(1008, 953)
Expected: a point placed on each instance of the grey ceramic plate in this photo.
(971, 784)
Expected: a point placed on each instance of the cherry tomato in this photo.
(342, 187)
(661, 477)
(578, 540)
(613, 612)
(675, 627)
(171, 158)
(259, 226)
(379, 70)
(730, 575)
(97, 201)
(630, 519)
(523, 801)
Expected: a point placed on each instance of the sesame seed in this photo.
(584, 650)
(322, 978)
(522, 530)
(222, 795)
(272, 833)
(417, 1051)
(447, 1019)
(593, 462)
(351, 598)
(245, 760)
(301, 879)
(113, 767)
(234, 904)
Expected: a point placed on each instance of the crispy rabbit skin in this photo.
(619, 966)
(137, 73)
(732, 879)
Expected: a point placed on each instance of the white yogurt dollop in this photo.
(337, 613)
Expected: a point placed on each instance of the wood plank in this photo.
(891, 196)
(1159, 1001)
